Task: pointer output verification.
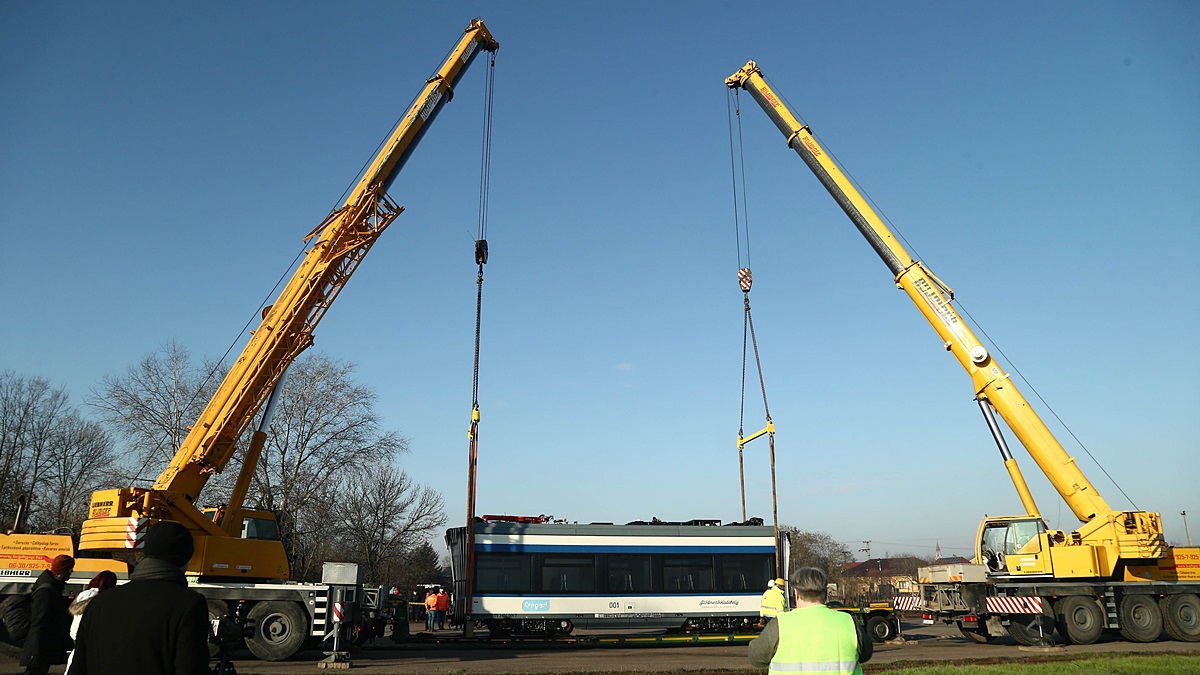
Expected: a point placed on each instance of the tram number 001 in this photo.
(614, 605)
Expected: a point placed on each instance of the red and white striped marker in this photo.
(135, 532)
(1014, 605)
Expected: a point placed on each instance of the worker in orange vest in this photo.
(430, 610)
(442, 606)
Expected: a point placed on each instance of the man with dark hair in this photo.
(153, 625)
(49, 639)
(812, 637)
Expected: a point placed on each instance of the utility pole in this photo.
(1185, 527)
(866, 550)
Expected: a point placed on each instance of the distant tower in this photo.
(937, 551)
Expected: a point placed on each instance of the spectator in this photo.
(431, 611)
(101, 582)
(812, 637)
(442, 606)
(153, 625)
(48, 642)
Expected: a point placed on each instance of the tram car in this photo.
(534, 577)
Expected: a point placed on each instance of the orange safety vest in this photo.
(431, 601)
(443, 602)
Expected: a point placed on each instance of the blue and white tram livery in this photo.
(547, 578)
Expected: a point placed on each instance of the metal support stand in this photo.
(339, 657)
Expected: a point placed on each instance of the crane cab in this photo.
(1015, 546)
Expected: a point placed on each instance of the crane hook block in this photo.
(745, 279)
(481, 251)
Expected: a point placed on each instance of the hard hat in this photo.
(780, 581)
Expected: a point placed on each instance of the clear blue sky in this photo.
(159, 164)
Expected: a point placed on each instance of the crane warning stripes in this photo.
(907, 603)
(1017, 605)
(135, 532)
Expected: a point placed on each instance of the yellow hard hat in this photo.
(779, 581)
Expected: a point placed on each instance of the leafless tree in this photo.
(48, 453)
(323, 435)
(324, 428)
(150, 407)
(383, 516)
(80, 454)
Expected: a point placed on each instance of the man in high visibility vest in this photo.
(812, 637)
(773, 602)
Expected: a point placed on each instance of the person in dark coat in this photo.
(49, 623)
(152, 625)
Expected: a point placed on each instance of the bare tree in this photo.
(383, 516)
(47, 452)
(150, 407)
(324, 427)
(323, 434)
(80, 454)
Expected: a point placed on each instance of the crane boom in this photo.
(336, 247)
(339, 244)
(934, 300)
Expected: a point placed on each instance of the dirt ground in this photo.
(445, 653)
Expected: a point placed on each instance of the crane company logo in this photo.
(535, 605)
(469, 51)
(936, 301)
(767, 94)
(812, 147)
(431, 103)
(16, 573)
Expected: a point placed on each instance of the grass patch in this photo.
(1157, 664)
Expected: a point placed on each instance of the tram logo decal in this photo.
(535, 605)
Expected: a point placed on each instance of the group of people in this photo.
(810, 637)
(437, 604)
(153, 624)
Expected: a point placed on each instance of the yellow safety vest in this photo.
(773, 602)
(816, 639)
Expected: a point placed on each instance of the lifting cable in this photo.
(481, 258)
(737, 160)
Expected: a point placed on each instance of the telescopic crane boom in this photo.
(1106, 538)
(338, 246)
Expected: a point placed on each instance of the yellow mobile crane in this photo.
(234, 543)
(1115, 569)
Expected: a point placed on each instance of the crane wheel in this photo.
(881, 628)
(216, 610)
(1080, 619)
(280, 629)
(1141, 619)
(1181, 616)
(979, 634)
(1032, 630)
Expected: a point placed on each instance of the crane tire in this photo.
(979, 635)
(1080, 619)
(1032, 630)
(1141, 619)
(881, 628)
(1181, 616)
(216, 610)
(280, 629)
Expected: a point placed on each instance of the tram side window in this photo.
(687, 574)
(745, 572)
(568, 574)
(502, 573)
(629, 573)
